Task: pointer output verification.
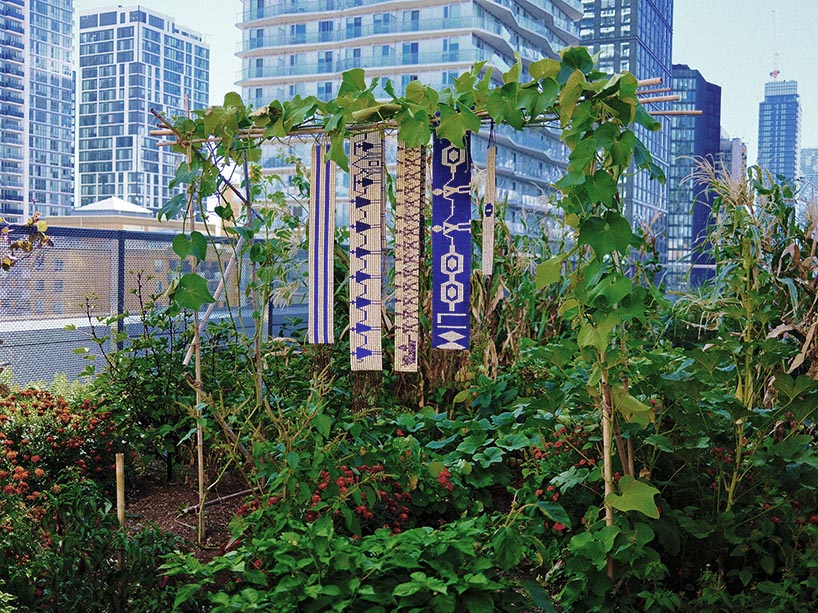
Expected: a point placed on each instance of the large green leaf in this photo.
(194, 245)
(192, 292)
(508, 547)
(634, 496)
(550, 271)
(606, 234)
(611, 289)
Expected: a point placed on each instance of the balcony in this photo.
(11, 12)
(288, 7)
(462, 56)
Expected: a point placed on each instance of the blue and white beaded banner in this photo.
(489, 206)
(366, 195)
(321, 243)
(451, 244)
(410, 189)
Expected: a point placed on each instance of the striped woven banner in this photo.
(451, 245)
(321, 243)
(366, 195)
(410, 188)
(489, 206)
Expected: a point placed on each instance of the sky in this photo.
(733, 44)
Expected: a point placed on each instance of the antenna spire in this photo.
(775, 72)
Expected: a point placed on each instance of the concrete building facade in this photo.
(637, 35)
(36, 108)
(133, 60)
(301, 47)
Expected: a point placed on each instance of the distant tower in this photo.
(732, 156)
(133, 60)
(36, 108)
(636, 35)
(693, 137)
(779, 129)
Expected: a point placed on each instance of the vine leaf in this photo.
(606, 234)
(192, 292)
(633, 409)
(550, 271)
(195, 245)
(634, 496)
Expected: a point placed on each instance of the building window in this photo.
(59, 286)
(59, 265)
(325, 29)
(410, 53)
(383, 23)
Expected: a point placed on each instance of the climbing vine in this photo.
(602, 285)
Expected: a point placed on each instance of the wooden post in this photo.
(120, 502)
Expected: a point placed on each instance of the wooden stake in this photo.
(120, 489)
(694, 112)
(120, 502)
(670, 98)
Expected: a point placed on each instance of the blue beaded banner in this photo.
(366, 195)
(451, 245)
(321, 244)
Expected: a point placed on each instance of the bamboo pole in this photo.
(658, 90)
(120, 503)
(654, 99)
(649, 81)
(692, 112)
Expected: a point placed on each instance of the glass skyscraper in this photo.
(779, 129)
(133, 60)
(636, 35)
(36, 108)
(301, 47)
(693, 138)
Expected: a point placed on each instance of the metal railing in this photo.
(89, 276)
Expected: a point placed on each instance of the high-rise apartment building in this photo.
(301, 47)
(133, 60)
(732, 156)
(694, 139)
(636, 35)
(36, 108)
(779, 129)
(808, 184)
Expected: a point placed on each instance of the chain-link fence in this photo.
(51, 300)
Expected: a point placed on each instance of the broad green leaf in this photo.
(172, 207)
(544, 69)
(489, 456)
(661, 442)
(512, 76)
(508, 547)
(192, 292)
(631, 408)
(612, 289)
(569, 96)
(472, 443)
(554, 511)
(606, 234)
(352, 82)
(601, 186)
(195, 245)
(503, 107)
(233, 99)
(550, 271)
(634, 496)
